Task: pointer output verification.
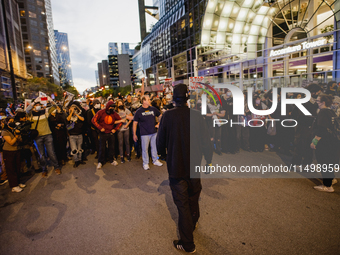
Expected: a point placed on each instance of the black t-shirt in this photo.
(78, 125)
(146, 118)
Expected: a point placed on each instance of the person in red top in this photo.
(105, 120)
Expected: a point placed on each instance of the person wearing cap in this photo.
(44, 140)
(145, 117)
(184, 146)
(11, 155)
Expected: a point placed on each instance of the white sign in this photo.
(302, 46)
(194, 83)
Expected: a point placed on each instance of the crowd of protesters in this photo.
(117, 127)
(49, 132)
(312, 133)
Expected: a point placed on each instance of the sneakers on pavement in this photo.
(178, 245)
(157, 163)
(324, 188)
(58, 171)
(146, 167)
(122, 160)
(22, 185)
(2, 182)
(334, 181)
(114, 163)
(99, 166)
(16, 189)
(129, 158)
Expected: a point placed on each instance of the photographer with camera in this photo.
(11, 155)
(28, 151)
(44, 140)
(76, 120)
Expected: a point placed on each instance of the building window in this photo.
(37, 52)
(22, 13)
(32, 15)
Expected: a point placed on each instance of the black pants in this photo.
(326, 154)
(94, 140)
(60, 143)
(186, 194)
(110, 139)
(303, 154)
(12, 164)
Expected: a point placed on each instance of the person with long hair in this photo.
(326, 151)
(124, 131)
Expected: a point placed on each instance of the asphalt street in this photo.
(127, 210)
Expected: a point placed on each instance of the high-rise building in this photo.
(97, 78)
(125, 48)
(261, 44)
(113, 49)
(63, 57)
(38, 37)
(17, 51)
(103, 73)
(120, 69)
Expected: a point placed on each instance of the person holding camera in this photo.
(44, 140)
(75, 129)
(11, 154)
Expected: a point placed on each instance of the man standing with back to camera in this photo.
(177, 138)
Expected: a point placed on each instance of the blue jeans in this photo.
(76, 141)
(45, 144)
(146, 140)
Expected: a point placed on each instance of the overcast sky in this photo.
(90, 26)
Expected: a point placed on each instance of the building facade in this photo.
(256, 43)
(103, 73)
(120, 70)
(63, 58)
(113, 49)
(11, 11)
(38, 37)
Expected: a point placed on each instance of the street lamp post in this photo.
(14, 88)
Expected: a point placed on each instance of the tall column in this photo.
(268, 65)
(311, 24)
(142, 20)
(241, 76)
(336, 46)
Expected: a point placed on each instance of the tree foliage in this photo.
(44, 85)
(67, 87)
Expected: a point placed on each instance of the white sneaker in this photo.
(99, 166)
(22, 186)
(334, 181)
(157, 163)
(324, 188)
(146, 167)
(114, 163)
(16, 189)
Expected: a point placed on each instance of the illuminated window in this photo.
(32, 15)
(22, 13)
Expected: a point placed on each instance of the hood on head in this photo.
(109, 104)
(95, 101)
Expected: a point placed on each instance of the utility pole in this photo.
(14, 88)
